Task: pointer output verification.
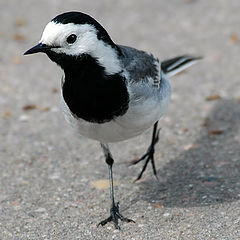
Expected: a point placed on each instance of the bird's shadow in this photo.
(209, 171)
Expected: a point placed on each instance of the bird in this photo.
(109, 92)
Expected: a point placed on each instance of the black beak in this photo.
(38, 48)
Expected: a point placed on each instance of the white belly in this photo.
(142, 113)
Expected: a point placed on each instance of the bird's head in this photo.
(71, 35)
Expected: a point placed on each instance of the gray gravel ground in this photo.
(48, 175)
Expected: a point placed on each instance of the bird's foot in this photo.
(148, 156)
(114, 216)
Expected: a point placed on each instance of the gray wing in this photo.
(140, 65)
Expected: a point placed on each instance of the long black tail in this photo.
(175, 65)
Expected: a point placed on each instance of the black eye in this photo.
(71, 39)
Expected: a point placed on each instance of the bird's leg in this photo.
(149, 155)
(114, 209)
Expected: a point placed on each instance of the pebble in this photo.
(40, 210)
(166, 214)
(23, 118)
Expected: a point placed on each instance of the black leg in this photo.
(114, 209)
(149, 155)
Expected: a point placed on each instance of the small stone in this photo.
(166, 214)
(23, 118)
(40, 210)
(54, 176)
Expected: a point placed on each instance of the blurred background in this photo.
(53, 184)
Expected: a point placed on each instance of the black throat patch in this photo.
(89, 93)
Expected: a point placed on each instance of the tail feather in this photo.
(175, 65)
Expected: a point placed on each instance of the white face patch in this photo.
(55, 34)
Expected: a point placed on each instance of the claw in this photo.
(114, 216)
(149, 155)
(157, 136)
